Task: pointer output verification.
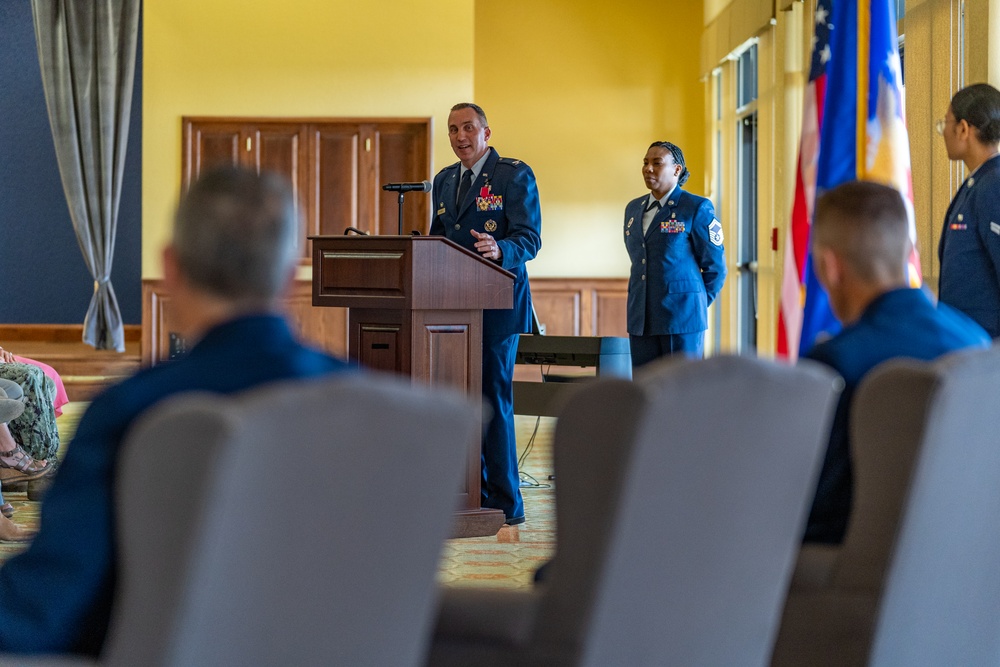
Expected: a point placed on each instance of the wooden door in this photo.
(283, 149)
(401, 157)
(208, 145)
(336, 166)
(336, 181)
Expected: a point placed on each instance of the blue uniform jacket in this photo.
(503, 203)
(970, 248)
(678, 267)
(56, 597)
(900, 323)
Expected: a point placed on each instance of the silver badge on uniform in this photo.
(715, 232)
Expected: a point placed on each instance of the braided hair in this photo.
(979, 106)
(677, 155)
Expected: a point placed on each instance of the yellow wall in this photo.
(578, 90)
(713, 8)
(266, 58)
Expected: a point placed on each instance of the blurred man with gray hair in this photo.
(232, 259)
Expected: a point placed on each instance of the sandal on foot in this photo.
(15, 480)
(7, 510)
(18, 459)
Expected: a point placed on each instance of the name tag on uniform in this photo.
(995, 228)
(672, 226)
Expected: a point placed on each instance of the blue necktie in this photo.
(655, 204)
(463, 187)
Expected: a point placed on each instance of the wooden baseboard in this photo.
(57, 333)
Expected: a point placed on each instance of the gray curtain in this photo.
(87, 55)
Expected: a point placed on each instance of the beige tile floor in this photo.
(506, 560)
(509, 559)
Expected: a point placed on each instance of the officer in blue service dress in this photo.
(489, 204)
(860, 243)
(678, 263)
(970, 241)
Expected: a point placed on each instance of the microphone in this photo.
(424, 186)
(347, 232)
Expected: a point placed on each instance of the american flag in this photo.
(797, 240)
(853, 128)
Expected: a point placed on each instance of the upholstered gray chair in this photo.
(914, 582)
(309, 531)
(680, 501)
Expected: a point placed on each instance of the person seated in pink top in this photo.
(61, 398)
(29, 442)
(12, 456)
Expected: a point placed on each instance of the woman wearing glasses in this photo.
(970, 241)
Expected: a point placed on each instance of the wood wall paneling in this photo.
(581, 306)
(609, 315)
(326, 328)
(558, 311)
(567, 306)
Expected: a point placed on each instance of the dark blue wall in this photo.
(43, 278)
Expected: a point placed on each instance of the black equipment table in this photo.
(608, 355)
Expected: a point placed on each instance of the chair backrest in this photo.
(592, 446)
(711, 517)
(941, 599)
(320, 531)
(888, 425)
(169, 466)
(710, 484)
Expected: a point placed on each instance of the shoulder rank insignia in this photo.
(715, 232)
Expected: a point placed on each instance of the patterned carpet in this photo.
(506, 560)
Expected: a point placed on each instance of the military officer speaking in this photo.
(489, 204)
(678, 263)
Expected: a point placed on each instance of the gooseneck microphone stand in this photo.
(400, 224)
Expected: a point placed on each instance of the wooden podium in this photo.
(416, 307)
